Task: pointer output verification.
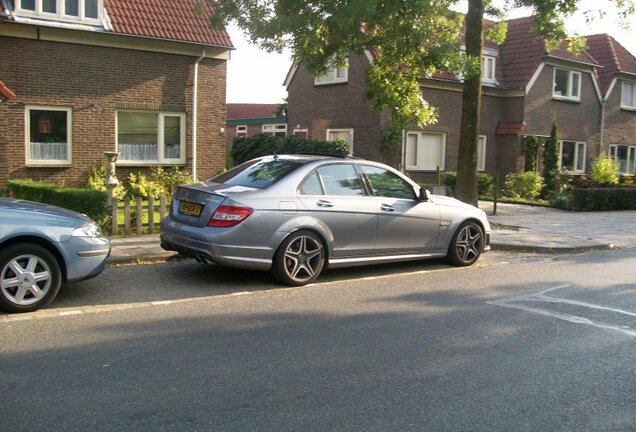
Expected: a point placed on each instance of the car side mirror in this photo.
(424, 195)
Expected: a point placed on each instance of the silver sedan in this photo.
(42, 246)
(296, 215)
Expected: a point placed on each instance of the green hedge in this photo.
(484, 182)
(597, 199)
(90, 202)
(244, 149)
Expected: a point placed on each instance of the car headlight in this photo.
(89, 229)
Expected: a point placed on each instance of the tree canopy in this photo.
(409, 39)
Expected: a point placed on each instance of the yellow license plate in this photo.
(191, 209)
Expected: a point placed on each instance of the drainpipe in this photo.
(603, 104)
(195, 93)
(402, 166)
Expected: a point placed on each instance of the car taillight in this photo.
(228, 216)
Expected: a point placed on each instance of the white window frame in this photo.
(69, 137)
(347, 130)
(569, 96)
(334, 75)
(481, 153)
(274, 129)
(577, 155)
(419, 166)
(629, 105)
(161, 160)
(60, 12)
(241, 130)
(492, 77)
(631, 157)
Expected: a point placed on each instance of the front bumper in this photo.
(85, 257)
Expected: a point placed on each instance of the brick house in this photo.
(246, 120)
(136, 77)
(524, 88)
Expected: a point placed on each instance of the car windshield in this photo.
(259, 174)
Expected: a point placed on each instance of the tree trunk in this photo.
(466, 187)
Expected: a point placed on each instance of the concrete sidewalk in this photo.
(515, 227)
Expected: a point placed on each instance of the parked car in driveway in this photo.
(298, 214)
(42, 246)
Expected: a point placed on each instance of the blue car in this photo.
(42, 246)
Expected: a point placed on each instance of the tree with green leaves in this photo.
(551, 162)
(410, 39)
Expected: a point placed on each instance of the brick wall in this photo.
(577, 121)
(336, 106)
(95, 82)
(620, 124)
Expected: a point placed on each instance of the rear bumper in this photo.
(208, 245)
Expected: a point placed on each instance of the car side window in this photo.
(340, 180)
(311, 185)
(384, 183)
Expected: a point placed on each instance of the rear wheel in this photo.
(30, 277)
(299, 259)
(467, 244)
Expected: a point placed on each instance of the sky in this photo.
(256, 76)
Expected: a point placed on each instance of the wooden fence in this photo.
(138, 216)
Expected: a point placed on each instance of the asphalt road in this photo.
(517, 343)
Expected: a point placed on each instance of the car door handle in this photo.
(387, 207)
(323, 203)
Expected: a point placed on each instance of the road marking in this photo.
(161, 302)
(541, 297)
(73, 312)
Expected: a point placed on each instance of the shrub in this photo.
(244, 149)
(484, 182)
(597, 199)
(96, 178)
(139, 185)
(90, 202)
(171, 178)
(551, 162)
(605, 170)
(526, 185)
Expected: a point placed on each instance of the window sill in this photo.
(330, 83)
(148, 163)
(566, 99)
(628, 108)
(49, 164)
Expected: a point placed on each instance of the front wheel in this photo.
(299, 259)
(30, 277)
(467, 244)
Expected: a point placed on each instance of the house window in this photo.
(488, 69)
(624, 156)
(334, 75)
(567, 84)
(425, 151)
(149, 137)
(301, 133)
(628, 95)
(279, 130)
(241, 131)
(572, 156)
(341, 134)
(48, 135)
(481, 153)
(73, 10)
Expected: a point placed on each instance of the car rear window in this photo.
(259, 174)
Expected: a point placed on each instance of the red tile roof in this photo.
(166, 19)
(6, 92)
(523, 51)
(247, 111)
(612, 56)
